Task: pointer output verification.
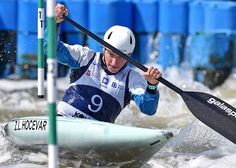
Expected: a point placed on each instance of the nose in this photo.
(114, 61)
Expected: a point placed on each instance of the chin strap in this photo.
(104, 62)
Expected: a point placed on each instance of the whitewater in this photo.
(194, 145)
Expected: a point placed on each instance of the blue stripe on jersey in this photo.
(89, 99)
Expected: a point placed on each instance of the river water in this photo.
(194, 144)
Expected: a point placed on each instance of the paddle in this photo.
(214, 112)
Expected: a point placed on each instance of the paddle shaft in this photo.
(129, 59)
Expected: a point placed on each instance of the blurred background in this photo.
(171, 33)
(192, 42)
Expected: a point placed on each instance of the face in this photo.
(114, 62)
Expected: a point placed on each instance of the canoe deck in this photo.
(98, 142)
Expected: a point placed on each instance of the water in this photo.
(194, 145)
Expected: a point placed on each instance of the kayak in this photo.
(98, 143)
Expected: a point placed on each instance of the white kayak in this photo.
(98, 143)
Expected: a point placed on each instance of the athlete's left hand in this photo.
(152, 75)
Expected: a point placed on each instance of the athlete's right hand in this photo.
(60, 10)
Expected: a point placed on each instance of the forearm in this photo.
(147, 102)
(63, 54)
(46, 40)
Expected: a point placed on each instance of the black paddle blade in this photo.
(214, 112)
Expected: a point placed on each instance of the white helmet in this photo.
(121, 38)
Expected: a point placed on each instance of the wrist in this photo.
(58, 26)
(152, 89)
(152, 86)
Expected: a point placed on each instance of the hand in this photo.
(60, 10)
(151, 75)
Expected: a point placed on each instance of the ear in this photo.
(104, 49)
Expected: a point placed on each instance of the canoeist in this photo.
(102, 84)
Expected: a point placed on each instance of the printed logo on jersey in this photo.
(105, 80)
(88, 73)
(79, 115)
(123, 75)
(114, 85)
(121, 87)
(97, 64)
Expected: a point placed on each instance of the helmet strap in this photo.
(104, 61)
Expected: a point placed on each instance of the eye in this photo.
(110, 53)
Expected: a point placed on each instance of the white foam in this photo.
(194, 146)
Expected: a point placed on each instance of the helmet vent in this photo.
(109, 36)
(130, 40)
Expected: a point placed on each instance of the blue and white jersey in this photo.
(95, 93)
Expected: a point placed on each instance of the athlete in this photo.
(102, 84)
